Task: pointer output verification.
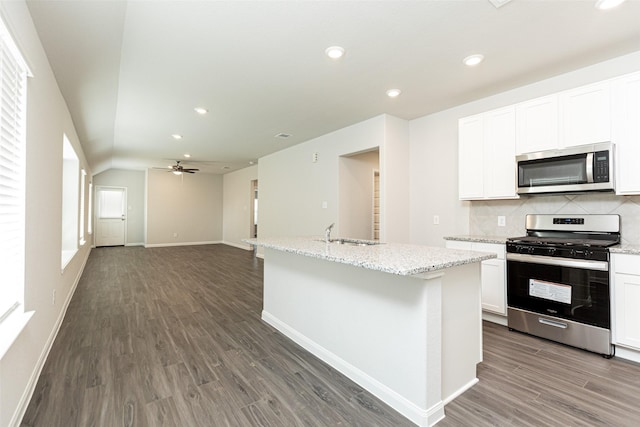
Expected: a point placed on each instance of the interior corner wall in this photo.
(135, 182)
(237, 205)
(395, 181)
(183, 209)
(48, 119)
(434, 151)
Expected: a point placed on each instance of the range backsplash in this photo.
(484, 214)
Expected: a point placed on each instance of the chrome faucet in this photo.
(327, 233)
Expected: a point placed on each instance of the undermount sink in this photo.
(353, 242)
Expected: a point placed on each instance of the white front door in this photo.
(111, 219)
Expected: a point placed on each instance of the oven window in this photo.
(566, 170)
(570, 293)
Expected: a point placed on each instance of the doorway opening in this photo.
(359, 213)
(253, 230)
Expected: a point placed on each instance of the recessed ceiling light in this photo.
(282, 135)
(187, 155)
(176, 136)
(334, 52)
(201, 110)
(252, 162)
(473, 60)
(608, 4)
(392, 93)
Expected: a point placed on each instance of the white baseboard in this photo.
(33, 380)
(238, 245)
(494, 318)
(162, 245)
(134, 244)
(628, 354)
(419, 416)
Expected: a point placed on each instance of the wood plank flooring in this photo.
(173, 337)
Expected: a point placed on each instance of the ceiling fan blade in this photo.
(189, 169)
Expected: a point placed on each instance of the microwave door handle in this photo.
(589, 167)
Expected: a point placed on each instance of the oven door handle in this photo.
(560, 262)
(553, 323)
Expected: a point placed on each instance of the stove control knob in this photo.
(531, 250)
(551, 251)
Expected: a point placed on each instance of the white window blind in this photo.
(13, 82)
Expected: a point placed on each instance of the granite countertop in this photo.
(479, 239)
(394, 258)
(625, 249)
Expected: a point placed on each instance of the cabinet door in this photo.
(627, 316)
(470, 158)
(499, 153)
(493, 286)
(585, 115)
(537, 125)
(625, 132)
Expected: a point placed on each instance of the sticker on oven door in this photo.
(549, 290)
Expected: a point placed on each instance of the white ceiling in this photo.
(132, 71)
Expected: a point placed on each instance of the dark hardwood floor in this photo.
(173, 337)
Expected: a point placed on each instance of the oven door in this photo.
(572, 289)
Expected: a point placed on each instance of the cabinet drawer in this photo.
(624, 263)
(458, 244)
(499, 250)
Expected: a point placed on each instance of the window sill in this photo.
(11, 327)
(67, 256)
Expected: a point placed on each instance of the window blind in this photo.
(13, 76)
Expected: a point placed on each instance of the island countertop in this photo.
(394, 258)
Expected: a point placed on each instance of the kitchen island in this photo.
(402, 321)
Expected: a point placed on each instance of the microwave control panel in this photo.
(601, 166)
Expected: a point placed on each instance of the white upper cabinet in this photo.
(470, 157)
(625, 132)
(585, 115)
(537, 125)
(566, 119)
(486, 155)
(499, 153)
(600, 112)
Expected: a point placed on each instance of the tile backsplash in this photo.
(484, 214)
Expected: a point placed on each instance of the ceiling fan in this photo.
(178, 169)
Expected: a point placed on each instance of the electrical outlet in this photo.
(502, 221)
(175, 234)
(436, 219)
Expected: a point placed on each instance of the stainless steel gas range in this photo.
(558, 279)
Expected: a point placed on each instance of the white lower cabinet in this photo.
(493, 273)
(626, 300)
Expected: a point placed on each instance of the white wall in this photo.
(47, 120)
(187, 205)
(135, 183)
(294, 189)
(434, 151)
(237, 205)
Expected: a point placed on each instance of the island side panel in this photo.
(381, 330)
(461, 329)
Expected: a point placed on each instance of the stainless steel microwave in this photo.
(569, 170)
